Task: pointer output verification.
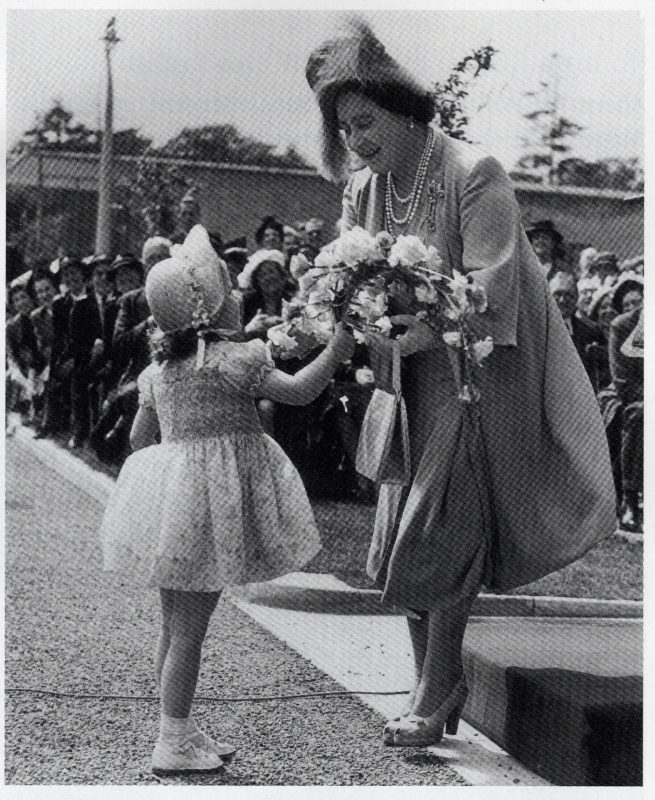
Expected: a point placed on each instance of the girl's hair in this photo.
(177, 345)
(269, 222)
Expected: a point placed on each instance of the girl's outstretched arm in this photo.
(304, 386)
(144, 428)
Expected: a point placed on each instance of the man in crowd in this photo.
(90, 346)
(627, 367)
(585, 333)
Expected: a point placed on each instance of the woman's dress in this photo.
(533, 491)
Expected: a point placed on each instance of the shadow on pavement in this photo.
(321, 601)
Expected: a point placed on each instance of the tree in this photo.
(450, 95)
(56, 130)
(150, 203)
(550, 132)
(223, 144)
(606, 173)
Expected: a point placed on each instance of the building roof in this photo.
(79, 171)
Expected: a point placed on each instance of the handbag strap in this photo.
(395, 366)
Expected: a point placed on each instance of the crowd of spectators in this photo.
(601, 301)
(77, 338)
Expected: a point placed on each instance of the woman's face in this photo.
(375, 135)
(606, 312)
(543, 245)
(269, 279)
(271, 239)
(45, 292)
(631, 300)
(22, 303)
(585, 296)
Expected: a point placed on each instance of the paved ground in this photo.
(343, 634)
(70, 628)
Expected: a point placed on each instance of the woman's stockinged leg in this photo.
(188, 625)
(418, 633)
(442, 665)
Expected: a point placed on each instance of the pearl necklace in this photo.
(414, 196)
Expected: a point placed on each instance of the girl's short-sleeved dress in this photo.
(218, 502)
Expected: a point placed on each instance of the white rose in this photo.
(326, 259)
(280, 338)
(355, 247)
(299, 265)
(364, 376)
(384, 324)
(483, 349)
(371, 304)
(426, 293)
(407, 251)
(452, 338)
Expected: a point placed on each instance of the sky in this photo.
(189, 68)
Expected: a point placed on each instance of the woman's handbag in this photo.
(383, 448)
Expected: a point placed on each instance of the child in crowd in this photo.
(217, 503)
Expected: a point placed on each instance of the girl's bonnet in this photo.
(192, 289)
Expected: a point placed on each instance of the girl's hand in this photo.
(343, 342)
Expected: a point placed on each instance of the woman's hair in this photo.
(393, 97)
(269, 222)
(177, 345)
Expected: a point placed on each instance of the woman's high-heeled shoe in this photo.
(416, 731)
(407, 708)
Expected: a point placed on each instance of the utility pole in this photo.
(104, 220)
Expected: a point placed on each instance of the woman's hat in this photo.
(356, 59)
(154, 245)
(128, 260)
(628, 281)
(255, 261)
(190, 288)
(606, 260)
(544, 226)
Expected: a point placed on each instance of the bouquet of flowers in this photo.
(364, 280)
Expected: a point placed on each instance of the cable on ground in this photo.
(151, 698)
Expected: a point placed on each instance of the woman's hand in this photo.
(418, 336)
(343, 342)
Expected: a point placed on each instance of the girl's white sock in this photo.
(176, 727)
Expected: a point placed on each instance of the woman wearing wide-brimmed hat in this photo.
(533, 491)
(548, 245)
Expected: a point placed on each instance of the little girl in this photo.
(217, 503)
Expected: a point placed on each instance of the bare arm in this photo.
(304, 386)
(144, 428)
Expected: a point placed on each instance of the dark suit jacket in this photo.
(42, 321)
(627, 373)
(84, 328)
(61, 308)
(585, 333)
(130, 342)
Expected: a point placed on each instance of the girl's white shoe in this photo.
(185, 755)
